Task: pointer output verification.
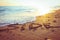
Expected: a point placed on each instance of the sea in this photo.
(8, 15)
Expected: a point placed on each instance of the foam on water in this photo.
(6, 13)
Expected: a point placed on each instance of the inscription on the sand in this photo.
(32, 26)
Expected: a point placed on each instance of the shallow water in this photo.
(8, 14)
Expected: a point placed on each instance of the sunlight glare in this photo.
(42, 9)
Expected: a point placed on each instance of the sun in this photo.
(42, 9)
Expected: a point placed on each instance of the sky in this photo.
(30, 2)
(20, 9)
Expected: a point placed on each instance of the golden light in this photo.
(44, 10)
